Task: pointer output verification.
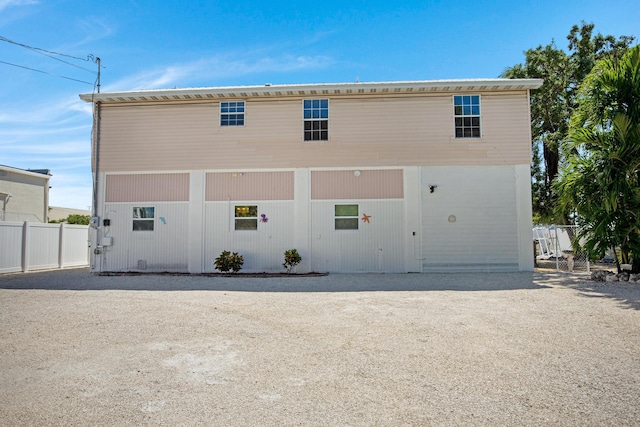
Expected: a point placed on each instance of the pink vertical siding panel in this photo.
(170, 187)
(249, 186)
(352, 184)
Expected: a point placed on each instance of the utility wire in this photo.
(48, 53)
(89, 58)
(44, 72)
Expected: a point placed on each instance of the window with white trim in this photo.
(232, 113)
(346, 217)
(143, 218)
(466, 110)
(246, 217)
(315, 113)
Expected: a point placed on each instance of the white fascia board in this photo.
(318, 89)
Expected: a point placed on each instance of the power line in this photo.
(49, 53)
(45, 72)
(89, 58)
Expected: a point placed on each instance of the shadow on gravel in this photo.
(627, 295)
(82, 280)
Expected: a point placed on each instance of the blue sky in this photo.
(146, 44)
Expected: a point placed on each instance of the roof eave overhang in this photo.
(321, 89)
(25, 172)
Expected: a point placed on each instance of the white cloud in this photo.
(216, 67)
(8, 3)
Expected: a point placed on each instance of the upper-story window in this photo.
(316, 119)
(466, 109)
(232, 113)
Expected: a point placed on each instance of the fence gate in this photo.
(554, 248)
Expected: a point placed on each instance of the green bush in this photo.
(228, 261)
(291, 259)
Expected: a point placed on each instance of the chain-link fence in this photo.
(553, 248)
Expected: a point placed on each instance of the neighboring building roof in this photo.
(319, 89)
(39, 173)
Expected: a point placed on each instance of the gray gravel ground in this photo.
(339, 350)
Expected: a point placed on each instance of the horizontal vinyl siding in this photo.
(484, 234)
(367, 132)
(366, 184)
(506, 128)
(147, 187)
(249, 186)
(163, 249)
(414, 120)
(376, 246)
(262, 249)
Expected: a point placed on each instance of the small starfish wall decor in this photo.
(263, 218)
(365, 218)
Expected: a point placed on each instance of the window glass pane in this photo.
(346, 223)
(143, 212)
(307, 114)
(307, 136)
(246, 224)
(475, 121)
(324, 114)
(324, 103)
(466, 110)
(467, 121)
(458, 132)
(346, 210)
(324, 125)
(316, 103)
(475, 99)
(466, 100)
(467, 132)
(457, 100)
(476, 133)
(316, 114)
(246, 211)
(475, 110)
(307, 103)
(143, 225)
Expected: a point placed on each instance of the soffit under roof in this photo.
(314, 90)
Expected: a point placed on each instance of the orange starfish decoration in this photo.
(365, 218)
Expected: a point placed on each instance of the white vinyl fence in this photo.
(26, 246)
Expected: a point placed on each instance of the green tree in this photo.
(553, 104)
(74, 219)
(600, 180)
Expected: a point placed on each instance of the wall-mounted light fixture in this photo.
(432, 188)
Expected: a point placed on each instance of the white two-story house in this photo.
(416, 176)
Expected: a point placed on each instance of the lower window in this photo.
(246, 217)
(143, 218)
(346, 217)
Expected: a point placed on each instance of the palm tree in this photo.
(600, 180)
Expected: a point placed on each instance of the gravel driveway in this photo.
(339, 350)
